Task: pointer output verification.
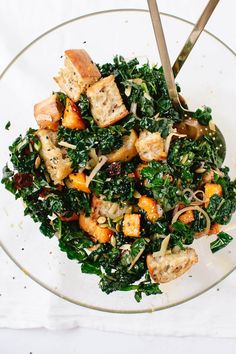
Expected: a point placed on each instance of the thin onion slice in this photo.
(102, 161)
(197, 208)
(198, 200)
(193, 196)
(136, 258)
(163, 248)
(67, 145)
(168, 140)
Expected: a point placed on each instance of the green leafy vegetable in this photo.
(223, 239)
(220, 210)
(7, 126)
(203, 115)
(121, 263)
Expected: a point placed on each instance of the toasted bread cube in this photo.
(48, 112)
(163, 269)
(187, 217)
(151, 207)
(72, 118)
(131, 225)
(106, 103)
(78, 181)
(210, 190)
(97, 233)
(127, 151)
(57, 163)
(78, 73)
(150, 146)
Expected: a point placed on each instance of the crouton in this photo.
(187, 217)
(72, 118)
(131, 225)
(57, 163)
(127, 151)
(102, 207)
(97, 233)
(78, 73)
(163, 269)
(150, 146)
(48, 112)
(78, 181)
(210, 190)
(151, 207)
(106, 103)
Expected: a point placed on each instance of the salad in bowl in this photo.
(117, 175)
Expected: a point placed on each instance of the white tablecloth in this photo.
(23, 304)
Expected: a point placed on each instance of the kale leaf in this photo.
(7, 126)
(73, 241)
(182, 234)
(223, 239)
(220, 210)
(24, 152)
(203, 115)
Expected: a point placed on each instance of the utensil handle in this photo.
(194, 35)
(164, 56)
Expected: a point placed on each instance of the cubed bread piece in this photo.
(165, 268)
(57, 163)
(106, 103)
(150, 146)
(131, 225)
(48, 112)
(78, 73)
(127, 151)
(97, 233)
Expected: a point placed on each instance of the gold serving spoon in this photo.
(189, 124)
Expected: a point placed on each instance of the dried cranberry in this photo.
(22, 180)
(43, 192)
(59, 187)
(114, 169)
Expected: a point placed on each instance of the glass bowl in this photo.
(206, 78)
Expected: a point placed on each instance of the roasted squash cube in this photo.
(187, 217)
(78, 181)
(210, 190)
(72, 118)
(152, 208)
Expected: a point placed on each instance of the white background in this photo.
(20, 22)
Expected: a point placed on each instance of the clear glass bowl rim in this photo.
(42, 284)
